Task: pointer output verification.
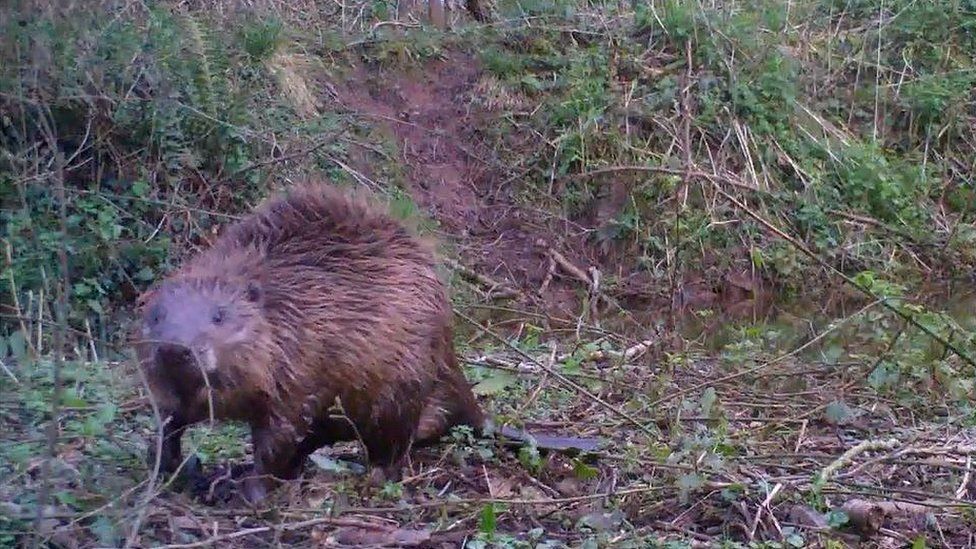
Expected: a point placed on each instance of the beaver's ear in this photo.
(254, 291)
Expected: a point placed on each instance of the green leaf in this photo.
(488, 522)
(65, 497)
(836, 519)
(20, 454)
(733, 492)
(529, 457)
(532, 83)
(838, 412)
(572, 365)
(18, 346)
(92, 428)
(95, 305)
(106, 412)
(707, 401)
(145, 275)
(795, 540)
(833, 353)
(882, 376)
(494, 384)
(757, 259)
(690, 481)
(584, 471)
(864, 279)
(80, 289)
(71, 399)
(140, 188)
(106, 532)
(334, 465)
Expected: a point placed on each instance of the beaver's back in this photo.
(318, 247)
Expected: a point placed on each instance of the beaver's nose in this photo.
(172, 354)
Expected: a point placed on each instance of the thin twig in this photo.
(762, 366)
(60, 335)
(154, 476)
(277, 528)
(8, 255)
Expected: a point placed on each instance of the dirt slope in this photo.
(459, 180)
(449, 171)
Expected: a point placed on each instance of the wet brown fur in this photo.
(327, 297)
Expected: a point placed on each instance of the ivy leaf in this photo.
(494, 384)
(145, 275)
(140, 188)
(836, 519)
(707, 401)
(838, 412)
(833, 353)
(18, 346)
(106, 532)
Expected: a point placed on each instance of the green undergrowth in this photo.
(850, 121)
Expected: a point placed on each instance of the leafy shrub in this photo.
(147, 111)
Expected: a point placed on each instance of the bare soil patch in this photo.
(459, 180)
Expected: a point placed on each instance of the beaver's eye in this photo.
(155, 315)
(253, 291)
(218, 316)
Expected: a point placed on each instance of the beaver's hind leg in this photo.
(385, 446)
(324, 432)
(450, 404)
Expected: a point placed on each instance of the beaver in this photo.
(318, 299)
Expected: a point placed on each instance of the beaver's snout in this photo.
(168, 354)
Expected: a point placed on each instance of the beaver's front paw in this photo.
(220, 486)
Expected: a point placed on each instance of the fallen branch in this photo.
(865, 517)
(278, 528)
(498, 290)
(592, 280)
(568, 266)
(627, 354)
(848, 456)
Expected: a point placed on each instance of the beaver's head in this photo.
(193, 327)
